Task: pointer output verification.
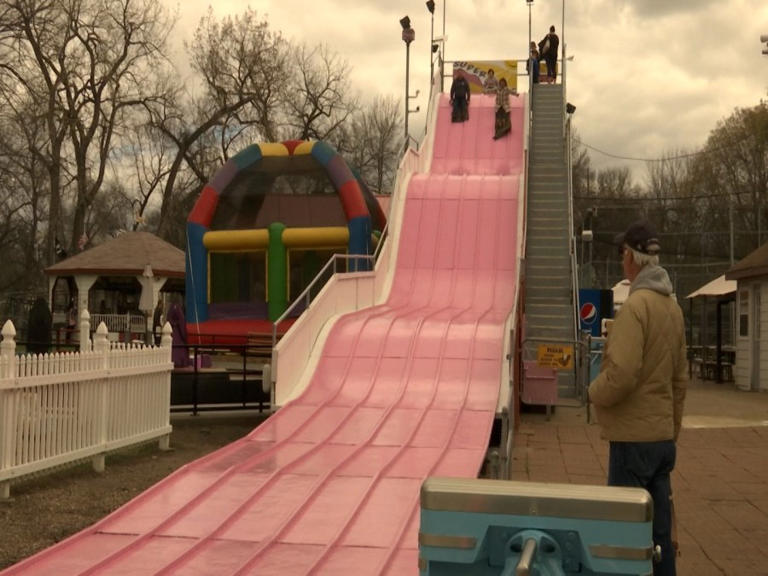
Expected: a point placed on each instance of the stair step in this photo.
(562, 264)
(548, 314)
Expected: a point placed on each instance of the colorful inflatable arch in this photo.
(263, 227)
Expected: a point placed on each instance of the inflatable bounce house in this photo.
(261, 230)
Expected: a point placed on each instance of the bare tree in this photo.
(85, 63)
(318, 99)
(242, 65)
(374, 149)
(732, 172)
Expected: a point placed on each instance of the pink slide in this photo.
(404, 390)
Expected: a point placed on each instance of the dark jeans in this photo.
(551, 67)
(648, 465)
(460, 111)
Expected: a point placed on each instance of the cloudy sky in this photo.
(648, 77)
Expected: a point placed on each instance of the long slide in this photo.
(403, 390)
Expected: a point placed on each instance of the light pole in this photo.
(445, 2)
(764, 40)
(431, 8)
(562, 50)
(530, 3)
(408, 36)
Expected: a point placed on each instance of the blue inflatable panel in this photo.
(359, 242)
(322, 152)
(247, 156)
(196, 281)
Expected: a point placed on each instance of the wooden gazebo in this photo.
(124, 274)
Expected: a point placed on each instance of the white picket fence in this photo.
(56, 409)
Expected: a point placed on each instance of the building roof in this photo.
(717, 287)
(126, 255)
(753, 264)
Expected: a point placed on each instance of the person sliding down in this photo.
(459, 98)
(503, 121)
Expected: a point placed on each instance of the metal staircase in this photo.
(549, 275)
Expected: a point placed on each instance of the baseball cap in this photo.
(640, 236)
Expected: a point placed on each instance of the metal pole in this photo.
(730, 222)
(530, 3)
(562, 51)
(445, 7)
(431, 55)
(407, 100)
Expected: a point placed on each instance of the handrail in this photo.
(409, 140)
(307, 291)
(380, 243)
(574, 281)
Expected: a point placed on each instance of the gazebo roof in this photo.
(126, 255)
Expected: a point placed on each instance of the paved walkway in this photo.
(720, 481)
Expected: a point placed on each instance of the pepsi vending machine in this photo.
(594, 305)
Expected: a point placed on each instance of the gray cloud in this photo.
(648, 76)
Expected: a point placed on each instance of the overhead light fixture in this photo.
(570, 108)
(431, 6)
(435, 48)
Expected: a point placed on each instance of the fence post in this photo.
(85, 331)
(8, 350)
(166, 342)
(7, 371)
(101, 347)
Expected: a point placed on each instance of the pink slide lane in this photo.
(330, 483)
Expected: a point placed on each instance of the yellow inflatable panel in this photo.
(303, 148)
(313, 237)
(236, 240)
(273, 149)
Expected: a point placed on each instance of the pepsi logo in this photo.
(588, 313)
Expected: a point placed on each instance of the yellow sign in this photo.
(475, 72)
(555, 355)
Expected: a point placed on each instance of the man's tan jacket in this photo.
(639, 393)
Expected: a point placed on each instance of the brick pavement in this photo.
(720, 485)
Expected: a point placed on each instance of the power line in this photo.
(618, 201)
(676, 157)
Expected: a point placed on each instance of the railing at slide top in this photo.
(61, 408)
(358, 262)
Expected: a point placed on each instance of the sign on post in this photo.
(558, 356)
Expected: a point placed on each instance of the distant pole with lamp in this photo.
(432, 45)
(530, 3)
(408, 36)
(445, 2)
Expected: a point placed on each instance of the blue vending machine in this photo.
(594, 306)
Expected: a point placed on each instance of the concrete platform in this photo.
(720, 481)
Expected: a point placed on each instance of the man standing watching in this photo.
(640, 391)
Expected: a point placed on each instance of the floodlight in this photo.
(405, 22)
(431, 6)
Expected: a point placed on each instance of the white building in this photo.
(751, 276)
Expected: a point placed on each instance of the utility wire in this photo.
(618, 201)
(701, 152)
